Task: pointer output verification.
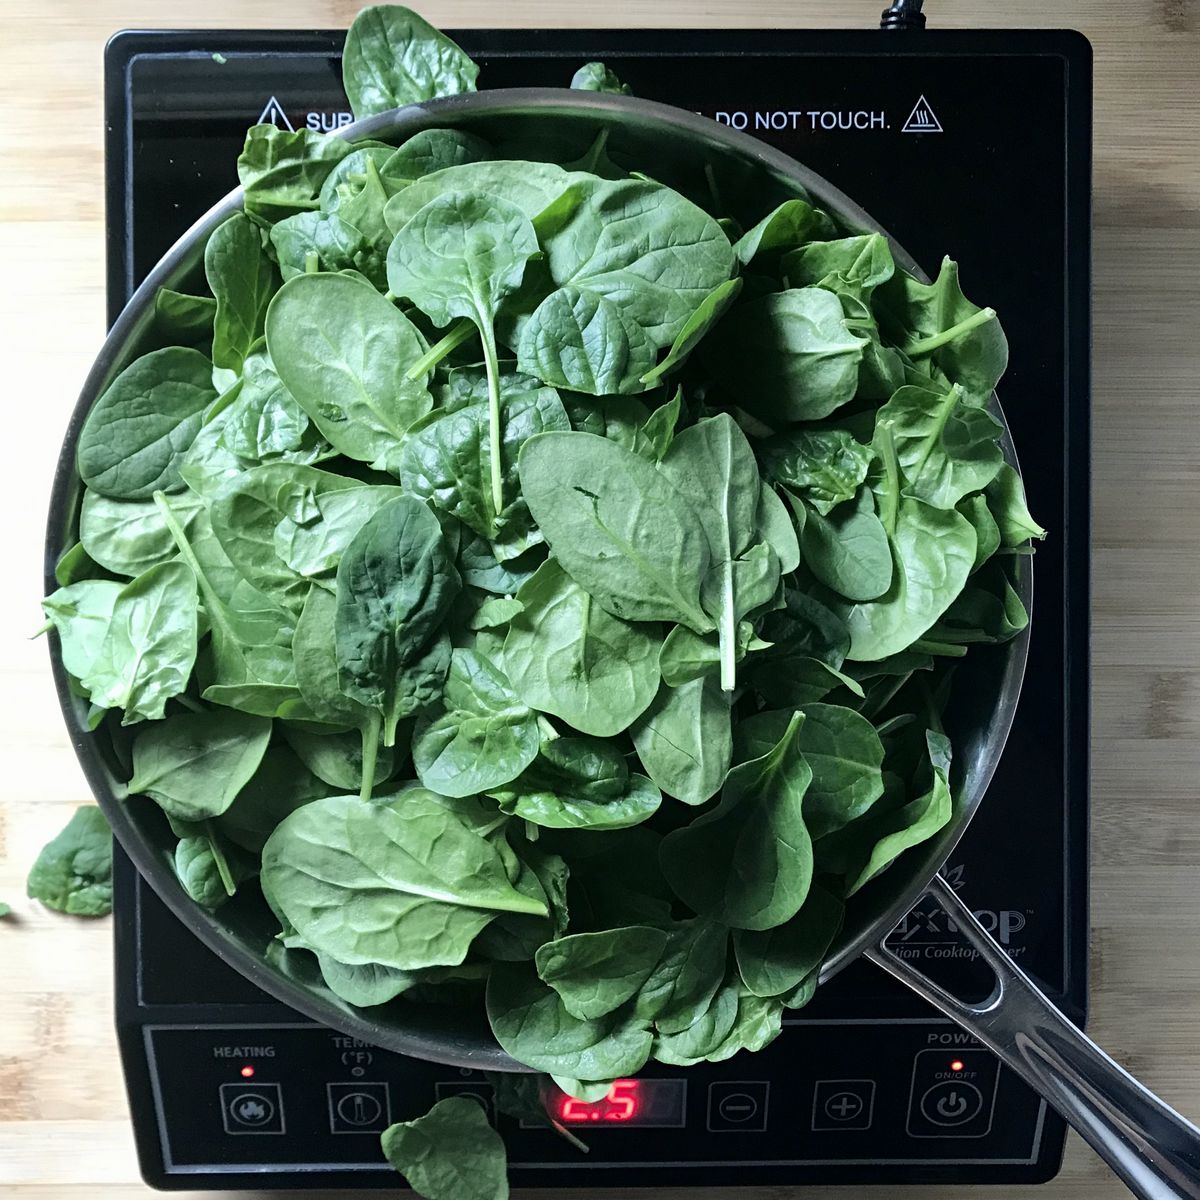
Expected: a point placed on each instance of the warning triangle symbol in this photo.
(922, 119)
(273, 114)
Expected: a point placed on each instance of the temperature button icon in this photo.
(358, 1107)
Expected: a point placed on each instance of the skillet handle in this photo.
(1153, 1150)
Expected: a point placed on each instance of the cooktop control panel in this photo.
(299, 1098)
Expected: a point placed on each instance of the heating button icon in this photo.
(251, 1108)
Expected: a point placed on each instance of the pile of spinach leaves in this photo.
(538, 588)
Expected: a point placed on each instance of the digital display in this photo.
(645, 1103)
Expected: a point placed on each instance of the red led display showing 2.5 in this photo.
(639, 1102)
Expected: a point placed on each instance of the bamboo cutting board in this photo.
(63, 1128)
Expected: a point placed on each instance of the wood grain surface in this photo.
(63, 1128)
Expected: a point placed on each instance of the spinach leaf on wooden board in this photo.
(567, 656)
(343, 352)
(748, 862)
(434, 882)
(73, 871)
(137, 432)
(393, 58)
(451, 1153)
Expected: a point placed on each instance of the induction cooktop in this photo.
(975, 144)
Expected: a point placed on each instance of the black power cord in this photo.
(903, 14)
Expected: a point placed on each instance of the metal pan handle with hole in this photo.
(1152, 1149)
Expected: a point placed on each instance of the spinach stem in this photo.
(42, 629)
(490, 360)
(222, 863)
(564, 1132)
(890, 501)
(370, 755)
(312, 263)
(459, 332)
(728, 630)
(190, 704)
(928, 345)
(947, 649)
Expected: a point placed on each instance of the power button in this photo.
(951, 1103)
(953, 1093)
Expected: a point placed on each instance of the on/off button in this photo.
(951, 1103)
(953, 1093)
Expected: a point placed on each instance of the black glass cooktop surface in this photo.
(972, 144)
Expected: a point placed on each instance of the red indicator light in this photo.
(247, 1072)
(957, 1065)
(620, 1104)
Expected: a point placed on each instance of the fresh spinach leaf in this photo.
(136, 434)
(194, 765)
(568, 656)
(748, 862)
(395, 584)
(393, 58)
(451, 1153)
(595, 973)
(684, 739)
(485, 737)
(434, 882)
(73, 871)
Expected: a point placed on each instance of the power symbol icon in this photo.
(952, 1102)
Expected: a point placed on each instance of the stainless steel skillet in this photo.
(1154, 1150)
